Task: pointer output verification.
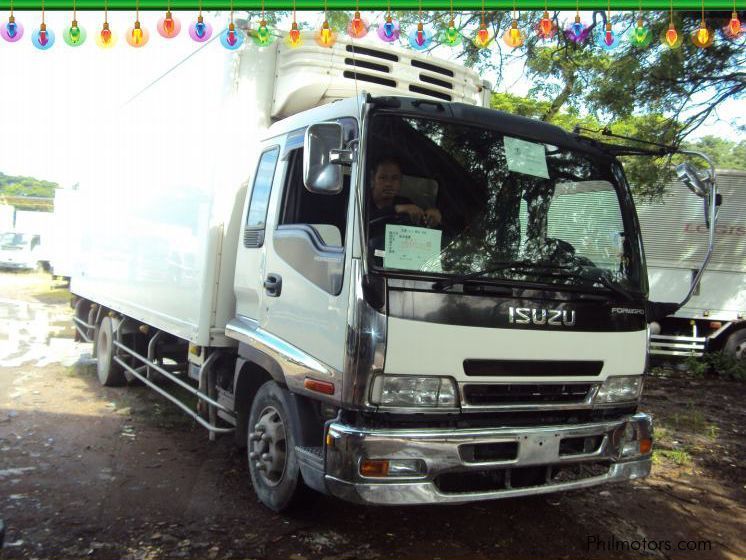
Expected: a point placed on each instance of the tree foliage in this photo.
(16, 189)
(724, 153)
(654, 93)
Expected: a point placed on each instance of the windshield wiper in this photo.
(442, 285)
(616, 288)
(564, 271)
(601, 278)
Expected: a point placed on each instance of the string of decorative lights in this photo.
(388, 30)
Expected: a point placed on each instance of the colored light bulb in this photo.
(294, 39)
(169, 26)
(420, 39)
(11, 31)
(200, 30)
(389, 30)
(43, 38)
(74, 35)
(640, 36)
(137, 36)
(325, 36)
(670, 37)
(546, 29)
(733, 29)
(106, 39)
(357, 27)
(231, 38)
(450, 35)
(608, 40)
(577, 32)
(703, 37)
(514, 37)
(262, 36)
(483, 38)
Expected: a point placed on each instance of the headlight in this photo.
(619, 389)
(412, 391)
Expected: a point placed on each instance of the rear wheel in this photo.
(736, 345)
(273, 464)
(110, 373)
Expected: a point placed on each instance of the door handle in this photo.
(273, 285)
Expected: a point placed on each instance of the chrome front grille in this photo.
(533, 394)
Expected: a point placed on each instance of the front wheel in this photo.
(273, 463)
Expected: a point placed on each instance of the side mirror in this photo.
(321, 173)
(689, 176)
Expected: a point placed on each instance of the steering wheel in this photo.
(402, 219)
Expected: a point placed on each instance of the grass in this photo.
(720, 363)
(690, 419)
(680, 457)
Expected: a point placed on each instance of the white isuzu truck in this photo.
(233, 246)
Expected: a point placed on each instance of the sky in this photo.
(55, 103)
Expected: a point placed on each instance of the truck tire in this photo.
(110, 373)
(273, 464)
(736, 345)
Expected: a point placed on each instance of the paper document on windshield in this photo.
(526, 157)
(412, 248)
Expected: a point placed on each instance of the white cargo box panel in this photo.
(159, 217)
(311, 75)
(675, 238)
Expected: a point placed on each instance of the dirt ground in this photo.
(92, 472)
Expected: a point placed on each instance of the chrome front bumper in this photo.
(538, 450)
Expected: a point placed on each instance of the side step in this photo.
(311, 461)
(667, 345)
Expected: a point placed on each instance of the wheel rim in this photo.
(741, 351)
(268, 450)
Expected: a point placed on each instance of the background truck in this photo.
(24, 247)
(228, 248)
(675, 238)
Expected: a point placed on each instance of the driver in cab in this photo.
(386, 206)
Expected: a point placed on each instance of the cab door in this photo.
(306, 288)
(251, 256)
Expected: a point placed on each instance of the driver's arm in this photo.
(415, 213)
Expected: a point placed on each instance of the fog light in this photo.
(383, 468)
(633, 443)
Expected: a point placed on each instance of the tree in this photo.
(724, 153)
(26, 193)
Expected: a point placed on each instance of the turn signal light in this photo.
(645, 446)
(317, 386)
(374, 467)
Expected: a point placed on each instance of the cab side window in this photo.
(256, 218)
(325, 214)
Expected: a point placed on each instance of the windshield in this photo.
(11, 239)
(467, 203)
